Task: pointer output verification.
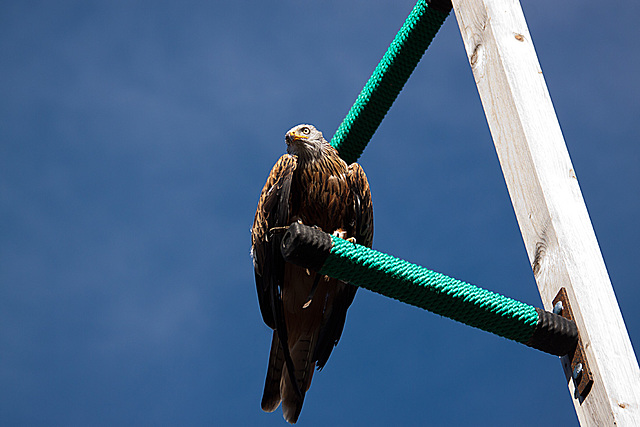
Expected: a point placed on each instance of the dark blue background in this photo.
(135, 137)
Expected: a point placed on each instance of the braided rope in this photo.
(383, 273)
(388, 79)
(436, 292)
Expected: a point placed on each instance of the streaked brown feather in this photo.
(271, 395)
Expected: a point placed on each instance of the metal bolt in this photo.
(577, 371)
(557, 309)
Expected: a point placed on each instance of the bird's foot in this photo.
(343, 235)
(340, 233)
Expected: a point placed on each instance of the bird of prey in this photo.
(312, 185)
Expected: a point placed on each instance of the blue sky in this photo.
(135, 138)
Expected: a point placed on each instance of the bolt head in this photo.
(577, 371)
(557, 308)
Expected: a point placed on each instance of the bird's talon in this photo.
(340, 233)
(273, 230)
(313, 291)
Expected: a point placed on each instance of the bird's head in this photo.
(306, 142)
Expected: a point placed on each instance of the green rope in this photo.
(399, 279)
(387, 79)
(444, 295)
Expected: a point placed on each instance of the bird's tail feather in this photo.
(271, 396)
(301, 354)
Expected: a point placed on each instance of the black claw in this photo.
(313, 291)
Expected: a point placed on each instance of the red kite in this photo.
(312, 185)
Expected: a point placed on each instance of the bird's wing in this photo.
(271, 217)
(273, 211)
(359, 220)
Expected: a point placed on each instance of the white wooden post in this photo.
(548, 203)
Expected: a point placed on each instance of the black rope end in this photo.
(306, 246)
(554, 334)
(441, 5)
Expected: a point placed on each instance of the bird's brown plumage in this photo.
(313, 185)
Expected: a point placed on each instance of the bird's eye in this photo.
(305, 130)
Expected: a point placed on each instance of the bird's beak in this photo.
(290, 137)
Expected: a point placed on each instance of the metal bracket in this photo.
(575, 362)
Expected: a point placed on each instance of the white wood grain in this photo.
(546, 197)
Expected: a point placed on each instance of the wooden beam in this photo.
(548, 203)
